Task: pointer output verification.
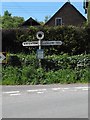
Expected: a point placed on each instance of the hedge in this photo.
(29, 75)
(53, 62)
(75, 40)
(55, 69)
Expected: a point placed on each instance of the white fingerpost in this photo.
(40, 52)
(40, 36)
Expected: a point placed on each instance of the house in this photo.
(86, 6)
(30, 22)
(66, 15)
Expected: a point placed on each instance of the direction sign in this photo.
(43, 43)
(33, 43)
(2, 57)
(46, 43)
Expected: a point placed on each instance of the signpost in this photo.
(43, 43)
(40, 36)
(46, 43)
(40, 52)
(33, 43)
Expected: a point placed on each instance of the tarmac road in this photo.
(48, 101)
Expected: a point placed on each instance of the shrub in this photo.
(13, 60)
(63, 72)
(75, 40)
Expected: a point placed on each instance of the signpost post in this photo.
(40, 36)
(40, 52)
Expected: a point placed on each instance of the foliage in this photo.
(69, 69)
(75, 40)
(8, 21)
(47, 18)
(88, 11)
(13, 60)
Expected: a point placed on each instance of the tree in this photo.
(7, 20)
(10, 22)
(41, 22)
(17, 20)
(47, 18)
(6, 13)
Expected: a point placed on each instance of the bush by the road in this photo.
(55, 69)
(75, 40)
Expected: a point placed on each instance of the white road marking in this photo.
(60, 89)
(32, 90)
(81, 87)
(36, 90)
(56, 88)
(15, 94)
(11, 92)
(85, 89)
(70, 89)
(40, 92)
(66, 88)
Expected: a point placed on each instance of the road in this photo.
(45, 101)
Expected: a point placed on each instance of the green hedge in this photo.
(69, 69)
(75, 40)
(30, 75)
(60, 65)
(53, 62)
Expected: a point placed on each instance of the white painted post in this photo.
(40, 36)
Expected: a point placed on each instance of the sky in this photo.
(37, 10)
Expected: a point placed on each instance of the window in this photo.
(58, 21)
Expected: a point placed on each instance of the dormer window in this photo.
(58, 21)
